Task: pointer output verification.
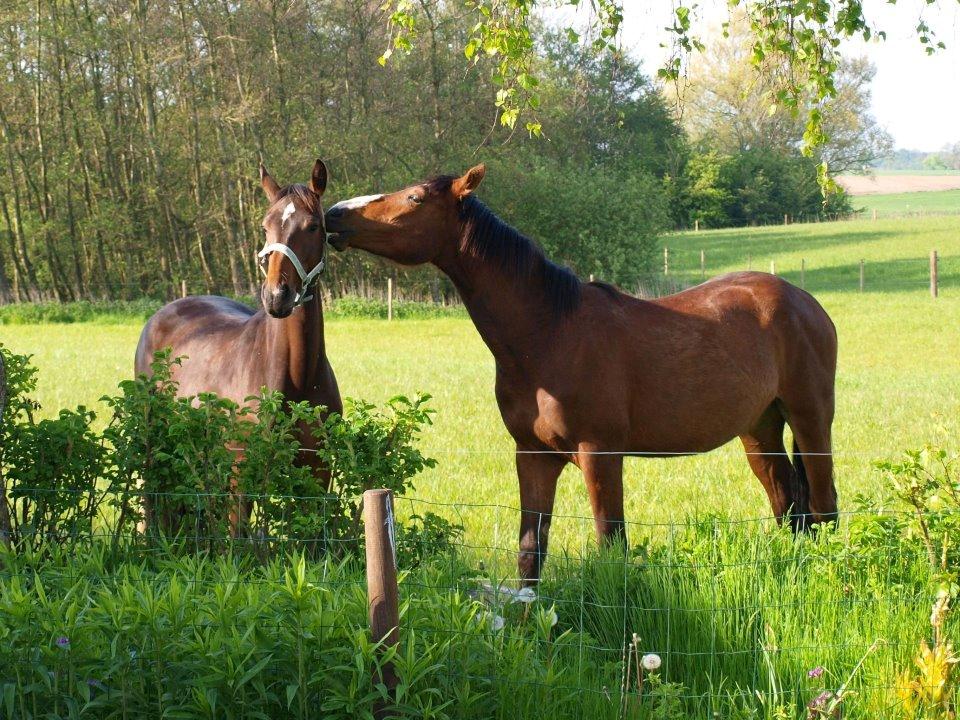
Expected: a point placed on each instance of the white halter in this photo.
(307, 278)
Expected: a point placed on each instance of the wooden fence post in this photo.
(666, 260)
(749, 262)
(389, 298)
(861, 274)
(803, 273)
(934, 289)
(696, 226)
(786, 219)
(382, 593)
(874, 213)
(773, 267)
(5, 524)
(703, 264)
(183, 288)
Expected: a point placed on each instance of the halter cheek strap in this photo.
(306, 278)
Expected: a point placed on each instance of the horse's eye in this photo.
(415, 199)
(313, 228)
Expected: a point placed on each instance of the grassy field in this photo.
(898, 373)
(732, 606)
(943, 201)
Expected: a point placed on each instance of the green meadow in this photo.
(938, 201)
(737, 610)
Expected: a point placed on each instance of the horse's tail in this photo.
(801, 491)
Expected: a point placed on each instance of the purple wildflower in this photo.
(824, 705)
(63, 642)
(815, 672)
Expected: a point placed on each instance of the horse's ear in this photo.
(318, 180)
(269, 184)
(465, 185)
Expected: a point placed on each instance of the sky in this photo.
(915, 97)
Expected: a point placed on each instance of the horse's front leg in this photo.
(538, 473)
(603, 474)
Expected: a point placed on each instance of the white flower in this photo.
(650, 662)
(523, 595)
(552, 616)
(495, 622)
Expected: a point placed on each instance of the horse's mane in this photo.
(308, 199)
(487, 237)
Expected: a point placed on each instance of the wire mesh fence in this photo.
(703, 617)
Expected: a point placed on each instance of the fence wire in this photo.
(709, 616)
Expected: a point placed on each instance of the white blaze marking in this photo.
(289, 210)
(357, 202)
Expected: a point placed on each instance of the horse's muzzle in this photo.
(277, 301)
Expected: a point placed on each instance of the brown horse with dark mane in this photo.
(587, 374)
(235, 351)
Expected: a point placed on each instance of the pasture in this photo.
(732, 605)
(942, 201)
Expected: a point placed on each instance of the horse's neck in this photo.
(299, 343)
(511, 314)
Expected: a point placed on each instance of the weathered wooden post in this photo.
(874, 213)
(803, 273)
(183, 288)
(861, 274)
(786, 219)
(5, 524)
(389, 298)
(703, 264)
(666, 260)
(934, 289)
(382, 593)
(773, 267)
(696, 226)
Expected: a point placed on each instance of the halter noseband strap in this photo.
(306, 278)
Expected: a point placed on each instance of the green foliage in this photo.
(49, 468)
(752, 187)
(169, 465)
(369, 448)
(575, 221)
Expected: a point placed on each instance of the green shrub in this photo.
(48, 469)
(169, 465)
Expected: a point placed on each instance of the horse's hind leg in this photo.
(813, 452)
(768, 460)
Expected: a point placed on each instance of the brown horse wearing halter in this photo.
(234, 351)
(586, 374)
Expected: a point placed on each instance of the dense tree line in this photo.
(131, 133)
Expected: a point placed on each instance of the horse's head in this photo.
(295, 239)
(411, 226)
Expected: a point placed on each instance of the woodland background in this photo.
(131, 133)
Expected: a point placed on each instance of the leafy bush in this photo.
(601, 220)
(752, 187)
(195, 471)
(48, 468)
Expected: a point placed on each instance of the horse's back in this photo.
(191, 321)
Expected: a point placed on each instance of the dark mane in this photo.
(486, 236)
(308, 199)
